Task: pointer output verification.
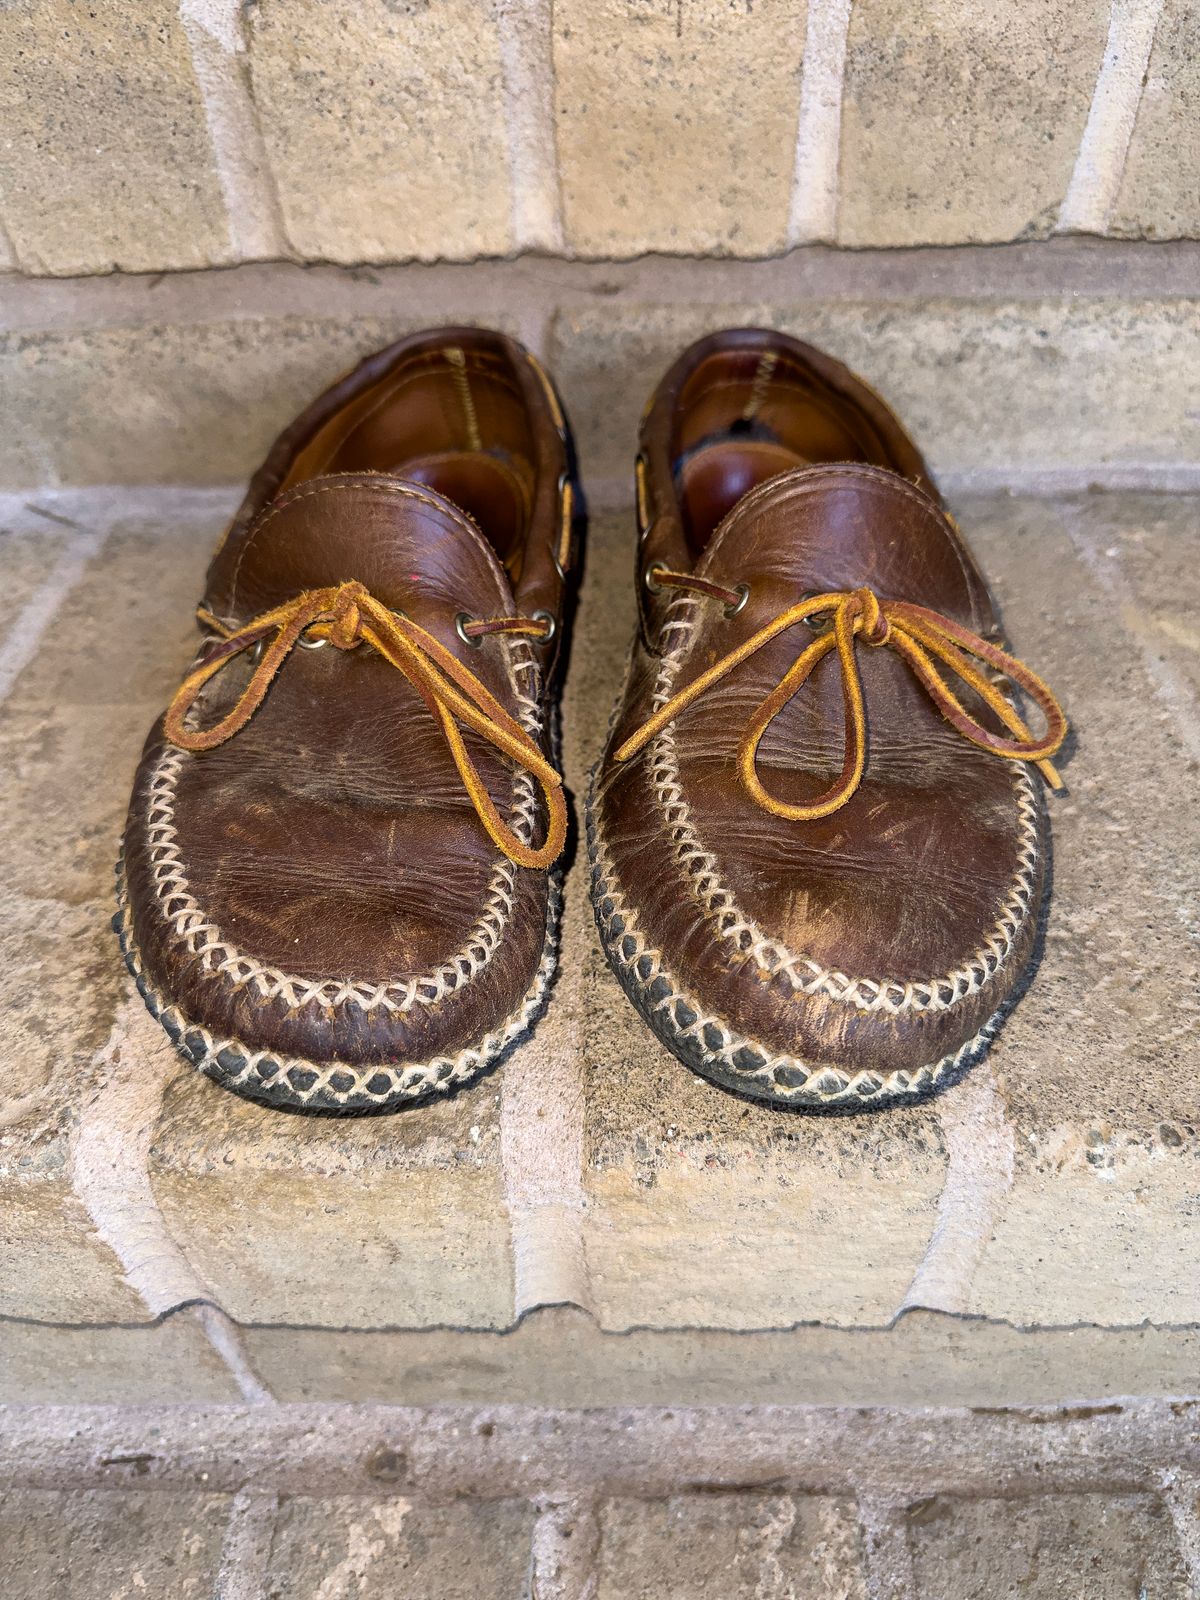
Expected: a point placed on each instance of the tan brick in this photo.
(53, 1268)
(70, 732)
(63, 806)
(707, 1547)
(61, 989)
(1095, 1064)
(73, 726)
(992, 385)
(98, 1544)
(166, 1363)
(62, 977)
(345, 1222)
(32, 542)
(1128, 542)
(960, 121)
(1103, 1547)
(62, 981)
(453, 1552)
(106, 161)
(1159, 196)
(384, 126)
(677, 124)
(703, 1212)
(198, 402)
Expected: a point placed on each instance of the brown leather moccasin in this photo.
(811, 873)
(338, 887)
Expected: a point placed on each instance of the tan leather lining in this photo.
(453, 419)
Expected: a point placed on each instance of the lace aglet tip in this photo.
(1050, 773)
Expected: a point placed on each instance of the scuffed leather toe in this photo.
(324, 950)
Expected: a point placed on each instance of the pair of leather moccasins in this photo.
(811, 873)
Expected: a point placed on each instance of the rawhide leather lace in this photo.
(346, 615)
(858, 615)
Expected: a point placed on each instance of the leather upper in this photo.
(320, 885)
(887, 933)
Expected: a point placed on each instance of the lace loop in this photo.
(921, 637)
(346, 615)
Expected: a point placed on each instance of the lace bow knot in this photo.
(346, 615)
(923, 638)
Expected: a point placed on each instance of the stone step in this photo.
(324, 1501)
(1052, 1190)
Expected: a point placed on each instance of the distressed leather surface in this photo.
(907, 882)
(332, 839)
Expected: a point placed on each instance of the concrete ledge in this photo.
(501, 1452)
(185, 378)
(559, 1357)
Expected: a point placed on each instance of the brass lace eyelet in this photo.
(306, 643)
(818, 624)
(648, 577)
(461, 622)
(742, 590)
(551, 625)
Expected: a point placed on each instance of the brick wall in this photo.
(150, 135)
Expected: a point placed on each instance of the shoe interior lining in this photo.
(746, 415)
(453, 419)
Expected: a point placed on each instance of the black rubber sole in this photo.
(711, 1047)
(337, 1087)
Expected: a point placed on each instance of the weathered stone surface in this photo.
(169, 1362)
(559, 1357)
(1103, 1547)
(52, 1266)
(66, 815)
(127, 626)
(1003, 386)
(33, 538)
(706, 1547)
(1096, 1065)
(199, 403)
(61, 990)
(677, 124)
(1130, 545)
(384, 126)
(344, 1222)
(704, 1211)
(110, 1544)
(1159, 196)
(960, 122)
(70, 731)
(391, 1547)
(106, 160)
